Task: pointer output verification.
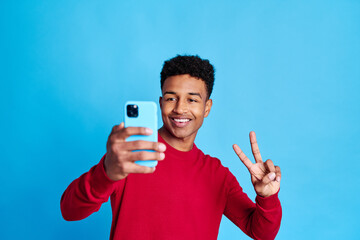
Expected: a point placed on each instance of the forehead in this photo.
(184, 84)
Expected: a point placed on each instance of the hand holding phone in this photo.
(142, 114)
(122, 154)
(120, 158)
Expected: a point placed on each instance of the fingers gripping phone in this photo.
(142, 114)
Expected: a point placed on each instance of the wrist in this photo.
(110, 174)
(269, 202)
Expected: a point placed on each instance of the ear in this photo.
(208, 106)
(160, 102)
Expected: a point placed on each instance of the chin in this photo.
(181, 133)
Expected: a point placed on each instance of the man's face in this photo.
(184, 105)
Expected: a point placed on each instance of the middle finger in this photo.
(145, 155)
(144, 145)
(255, 147)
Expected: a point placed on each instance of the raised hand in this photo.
(265, 177)
(120, 156)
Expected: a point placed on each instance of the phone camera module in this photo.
(132, 110)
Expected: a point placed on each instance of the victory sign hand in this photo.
(264, 175)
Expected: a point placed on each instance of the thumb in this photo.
(117, 128)
(269, 178)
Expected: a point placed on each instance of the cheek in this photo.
(199, 112)
(165, 109)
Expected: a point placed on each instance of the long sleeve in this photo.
(260, 220)
(86, 193)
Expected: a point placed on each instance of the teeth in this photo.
(181, 120)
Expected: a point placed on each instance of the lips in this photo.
(180, 122)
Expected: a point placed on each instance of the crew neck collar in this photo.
(172, 150)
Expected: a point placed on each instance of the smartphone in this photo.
(142, 114)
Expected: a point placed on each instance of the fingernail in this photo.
(148, 130)
(162, 147)
(278, 178)
(272, 176)
(162, 156)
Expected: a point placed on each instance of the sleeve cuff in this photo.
(268, 203)
(100, 182)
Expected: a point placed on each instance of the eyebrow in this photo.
(191, 93)
(195, 94)
(169, 93)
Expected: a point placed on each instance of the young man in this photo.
(187, 194)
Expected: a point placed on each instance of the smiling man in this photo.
(188, 192)
(183, 106)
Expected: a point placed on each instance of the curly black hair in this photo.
(192, 65)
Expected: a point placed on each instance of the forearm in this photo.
(265, 221)
(260, 220)
(86, 194)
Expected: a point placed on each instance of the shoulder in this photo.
(222, 174)
(212, 161)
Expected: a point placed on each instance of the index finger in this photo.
(242, 156)
(130, 131)
(255, 147)
(144, 145)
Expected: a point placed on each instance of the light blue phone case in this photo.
(147, 118)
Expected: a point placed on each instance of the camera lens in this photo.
(132, 110)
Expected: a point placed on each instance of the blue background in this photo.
(290, 70)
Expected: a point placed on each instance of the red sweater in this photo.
(184, 198)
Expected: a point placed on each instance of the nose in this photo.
(181, 107)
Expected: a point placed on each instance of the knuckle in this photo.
(147, 170)
(121, 167)
(123, 157)
(113, 129)
(137, 144)
(125, 168)
(121, 146)
(143, 169)
(138, 169)
(134, 170)
(143, 144)
(142, 155)
(126, 131)
(118, 160)
(111, 138)
(142, 130)
(113, 148)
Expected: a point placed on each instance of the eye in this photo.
(192, 100)
(170, 99)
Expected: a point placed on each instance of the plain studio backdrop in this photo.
(289, 70)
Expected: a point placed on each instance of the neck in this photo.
(181, 144)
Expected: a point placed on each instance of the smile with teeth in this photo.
(181, 120)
